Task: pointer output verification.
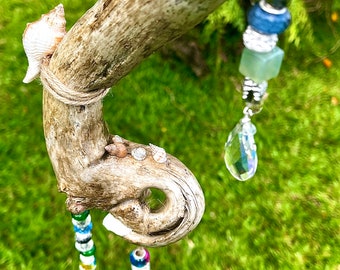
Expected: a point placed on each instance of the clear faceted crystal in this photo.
(240, 150)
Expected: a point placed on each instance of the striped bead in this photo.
(83, 237)
(85, 247)
(252, 91)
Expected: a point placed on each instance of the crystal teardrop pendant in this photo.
(240, 150)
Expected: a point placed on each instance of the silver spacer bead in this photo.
(270, 9)
(253, 90)
(258, 42)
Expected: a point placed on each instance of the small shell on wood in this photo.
(118, 149)
(158, 153)
(117, 139)
(41, 38)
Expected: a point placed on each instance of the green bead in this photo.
(90, 252)
(82, 216)
(261, 66)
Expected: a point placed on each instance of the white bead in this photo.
(83, 247)
(81, 224)
(87, 260)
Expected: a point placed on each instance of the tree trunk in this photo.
(101, 48)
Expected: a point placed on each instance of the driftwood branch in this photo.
(103, 46)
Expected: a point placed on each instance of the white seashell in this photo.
(139, 153)
(158, 153)
(41, 38)
(117, 139)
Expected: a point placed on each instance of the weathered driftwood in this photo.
(102, 47)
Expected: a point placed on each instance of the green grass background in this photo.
(286, 217)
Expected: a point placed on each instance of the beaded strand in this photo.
(260, 61)
(82, 226)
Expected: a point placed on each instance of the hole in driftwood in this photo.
(155, 199)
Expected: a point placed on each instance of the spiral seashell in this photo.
(41, 38)
(158, 153)
(118, 149)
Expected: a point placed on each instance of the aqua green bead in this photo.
(261, 66)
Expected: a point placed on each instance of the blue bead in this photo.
(268, 23)
(83, 230)
(139, 257)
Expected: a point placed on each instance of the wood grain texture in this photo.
(102, 47)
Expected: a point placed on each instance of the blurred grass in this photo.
(286, 217)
